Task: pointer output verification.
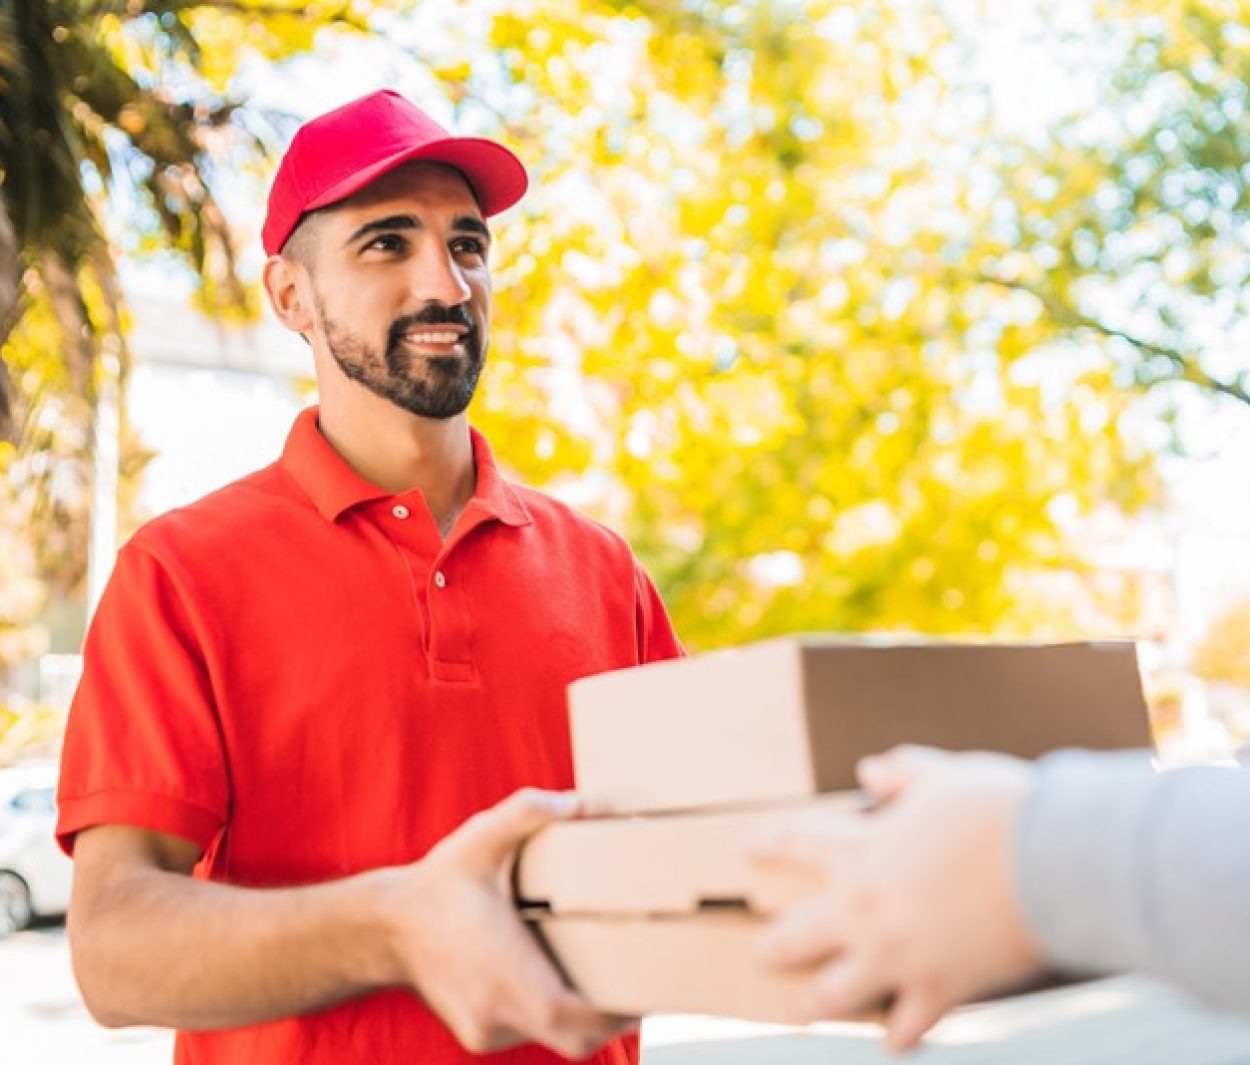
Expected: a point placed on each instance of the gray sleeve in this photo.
(1124, 869)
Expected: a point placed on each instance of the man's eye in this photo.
(387, 242)
(468, 246)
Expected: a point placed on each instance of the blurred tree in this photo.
(740, 300)
(1223, 655)
(113, 117)
(21, 595)
(1129, 223)
(770, 308)
(8, 309)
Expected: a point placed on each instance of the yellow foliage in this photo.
(733, 300)
(1224, 652)
(775, 310)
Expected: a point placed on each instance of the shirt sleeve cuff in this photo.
(159, 813)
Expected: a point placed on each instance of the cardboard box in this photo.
(660, 914)
(662, 865)
(658, 911)
(788, 719)
(638, 965)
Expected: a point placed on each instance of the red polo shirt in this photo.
(299, 676)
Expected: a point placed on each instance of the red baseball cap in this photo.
(340, 152)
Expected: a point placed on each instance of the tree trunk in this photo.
(10, 289)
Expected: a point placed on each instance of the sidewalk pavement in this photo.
(43, 1021)
(1124, 1021)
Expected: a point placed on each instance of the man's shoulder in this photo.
(221, 521)
(553, 516)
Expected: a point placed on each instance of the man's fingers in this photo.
(588, 1029)
(539, 1004)
(805, 935)
(622, 1026)
(884, 776)
(559, 1018)
(845, 989)
(911, 1016)
(496, 833)
(532, 977)
(496, 981)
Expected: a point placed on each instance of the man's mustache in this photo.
(432, 314)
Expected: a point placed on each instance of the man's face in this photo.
(401, 288)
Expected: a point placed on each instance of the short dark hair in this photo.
(300, 245)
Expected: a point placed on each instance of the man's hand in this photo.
(461, 945)
(917, 907)
(153, 945)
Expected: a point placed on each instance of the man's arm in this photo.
(151, 945)
(1121, 869)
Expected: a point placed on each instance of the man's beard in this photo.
(430, 386)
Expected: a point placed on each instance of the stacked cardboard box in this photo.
(650, 906)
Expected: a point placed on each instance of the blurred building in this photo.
(214, 402)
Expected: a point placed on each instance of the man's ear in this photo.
(287, 286)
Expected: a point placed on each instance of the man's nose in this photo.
(437, 278)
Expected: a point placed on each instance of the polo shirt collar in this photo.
(334, 487)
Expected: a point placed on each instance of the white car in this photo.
(34, 874)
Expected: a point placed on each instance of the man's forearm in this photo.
(151, 945)
(159, 948)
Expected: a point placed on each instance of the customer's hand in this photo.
(917, 909)
(461, 945)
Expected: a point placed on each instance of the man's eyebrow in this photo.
(472, 224)
(382, 225)
(393, 222)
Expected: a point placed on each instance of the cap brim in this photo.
(497, 177)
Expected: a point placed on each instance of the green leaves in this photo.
(1148, 225)
(105, 102)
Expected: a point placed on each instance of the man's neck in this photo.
(400, 452)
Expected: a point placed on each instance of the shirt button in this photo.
(400, 511)
(439, 580)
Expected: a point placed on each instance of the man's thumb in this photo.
(502, 829)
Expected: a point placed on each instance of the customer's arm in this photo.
(914, 904)
(979, 871)
(1122, 869)
(151, 945)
